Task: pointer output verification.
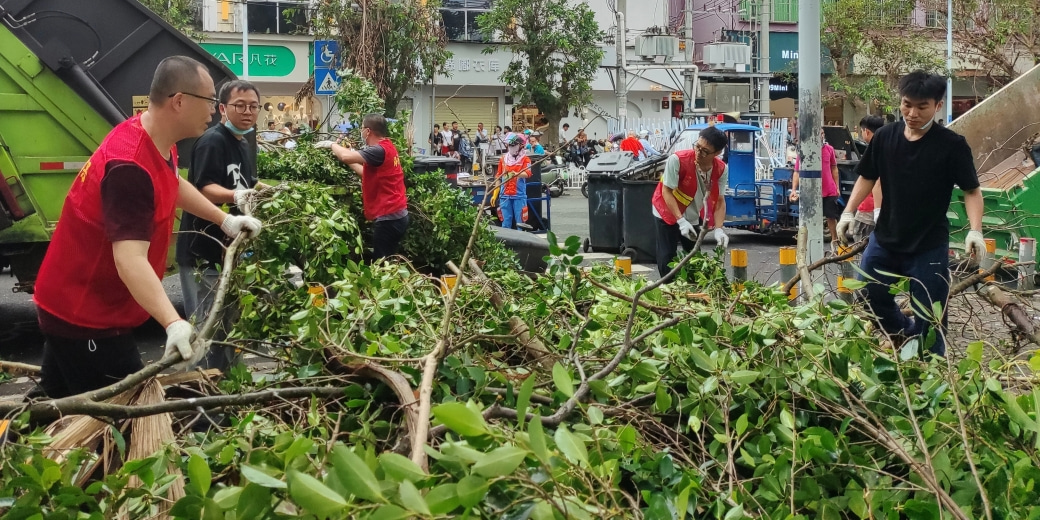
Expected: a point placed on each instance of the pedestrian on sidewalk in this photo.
(918, 163)
(867, 211)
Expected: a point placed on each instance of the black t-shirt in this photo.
(217, 158)
(373, 155)
(917, 179)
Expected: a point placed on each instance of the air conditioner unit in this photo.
(650, 46)
(728, 56)
(727, 97)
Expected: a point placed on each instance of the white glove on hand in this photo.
(245, 200)
(975, 241)
(324, 144)
(685, 228)
(235, 224)
(877, 215)
(847, 218)
(178, 339)
(721, 238)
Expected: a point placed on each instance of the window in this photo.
(277, 17)
(460, 19)
(933, 16)
(892, 12)
(784, 11)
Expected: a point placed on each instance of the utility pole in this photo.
(621, 87)
(949, 61)
(763, 57)
(810, 144)
(244, 14)
(690, 96)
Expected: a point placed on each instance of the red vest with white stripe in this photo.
(382, 187)
(687, 188)
(78, 281)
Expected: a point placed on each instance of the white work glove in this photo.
(721, 238)
(793, 196)
(685, 228)
(877, 215)
(235, 224)
(245, 200)
(324, 144)
(847, 218)
(178, 339)
(975, 241)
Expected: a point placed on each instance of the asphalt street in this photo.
(20, 338)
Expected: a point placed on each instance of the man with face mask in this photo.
(918, 163)
(223, 168)
(514, 168)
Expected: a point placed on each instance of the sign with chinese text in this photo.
(273, 61)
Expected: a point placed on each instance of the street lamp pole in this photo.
(949, 61)
(810, 119)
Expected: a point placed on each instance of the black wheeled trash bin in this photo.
(638, 233)
(606, 205)
(427, 163)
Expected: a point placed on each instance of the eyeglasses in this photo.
(212, 101)
(703, 150)
(243, 108)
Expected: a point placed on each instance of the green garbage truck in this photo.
(69, 72)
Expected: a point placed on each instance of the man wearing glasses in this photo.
(382, 184)
(223, 168)
(102, 274)
(692, 184)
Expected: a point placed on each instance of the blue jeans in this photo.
(512, 211)
(929, 274)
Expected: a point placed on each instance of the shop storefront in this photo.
(279, 66)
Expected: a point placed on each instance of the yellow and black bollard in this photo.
(788, 268)
(847, 273)
(738, 260)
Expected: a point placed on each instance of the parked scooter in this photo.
(554, 179)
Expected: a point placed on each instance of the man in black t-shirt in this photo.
(918, 164)
(223, 168)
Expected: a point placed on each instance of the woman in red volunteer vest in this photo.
(102, 275)
(694, 179)
(382, 184)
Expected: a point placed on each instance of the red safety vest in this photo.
(510, 189)
(687, 188)
(78, 281)
(382, 187)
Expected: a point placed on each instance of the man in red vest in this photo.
(382, 184)
(693, 184)
(102, 275)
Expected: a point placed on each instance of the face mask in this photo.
(927, 125)
(514, 149)
(234, 129)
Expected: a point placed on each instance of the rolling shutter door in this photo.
(468, 111)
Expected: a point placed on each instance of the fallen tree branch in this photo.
(393, 379)
(964, 284)
(517, 326)
(19, 369)
(856, 249)
(1013, 311)
(51, 410)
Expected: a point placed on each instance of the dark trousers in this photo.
(74, 366)
(387, 236)
(929, 274)
(668, 239)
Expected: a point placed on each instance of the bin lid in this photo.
(610, 162)
(436, 159)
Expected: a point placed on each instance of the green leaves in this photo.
(313, 496)
(571, 446)
(355, 476)
(562, 379)
(461, 419)
(500, 462)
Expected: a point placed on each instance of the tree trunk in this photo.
(551, 140)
